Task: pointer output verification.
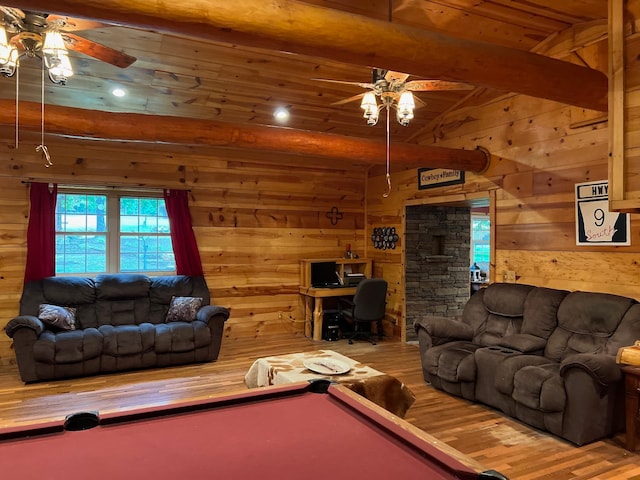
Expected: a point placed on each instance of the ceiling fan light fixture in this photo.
(369, 103)
(8, 68)
(370, 107)
(59, 69)
(54, 44)
(56, 58)
(404, 110)
(5, 48)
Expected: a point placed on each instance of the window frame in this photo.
(113, 234)
(472, 243)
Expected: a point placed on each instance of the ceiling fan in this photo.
(394, 90)
(47, 37)
(27, 31)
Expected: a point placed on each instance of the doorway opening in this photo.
(442, 243)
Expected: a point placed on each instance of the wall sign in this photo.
(384, 238)
(595, 224)
(438, 177)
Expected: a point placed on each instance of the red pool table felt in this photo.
(274, 433)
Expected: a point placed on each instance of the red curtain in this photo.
(185, 247)
(41, 232)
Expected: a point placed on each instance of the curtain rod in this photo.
(121, 188)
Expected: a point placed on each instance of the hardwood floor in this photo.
(496, 441)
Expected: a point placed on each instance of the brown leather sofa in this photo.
(121, 323)
(543, 356)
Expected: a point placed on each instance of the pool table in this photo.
(299, 431)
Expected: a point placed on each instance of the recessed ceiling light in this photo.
(118, 92)
(281, 114)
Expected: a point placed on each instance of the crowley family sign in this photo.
(438, 177)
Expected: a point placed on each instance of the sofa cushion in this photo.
(596, 314)
(122, 286)
(496, 328)
(453, 362)
(523, 343)
(540, 387)
(68, 290)
(503, 305)
(506, 299)
(67, 347)
(122, 312)
(586, 321)
(183, 309)
(181, 336)
(127, 339)
(63, 318)
(505, 371)
(164, 288)
(541, 311)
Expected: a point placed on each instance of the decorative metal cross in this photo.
(334, 215)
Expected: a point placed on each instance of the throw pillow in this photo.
(183, 309)
(63, 318)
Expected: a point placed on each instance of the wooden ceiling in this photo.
(185, 72)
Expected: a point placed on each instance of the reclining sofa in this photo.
(543, 356)
(76, 326)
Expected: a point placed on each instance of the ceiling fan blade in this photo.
(71, 24)
(431, 85)
(350, 99)
(397, 77)
(12, 16)
(12, 12)
(363, 85)
(96, 50)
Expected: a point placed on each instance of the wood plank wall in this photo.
(254, 217)
(624, 103)
(538, 155)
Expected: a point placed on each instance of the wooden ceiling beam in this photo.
(132, 127)
(296, 27)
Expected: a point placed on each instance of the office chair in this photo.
(367, 306)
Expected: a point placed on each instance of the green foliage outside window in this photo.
(85, 243)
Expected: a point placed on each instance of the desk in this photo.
(382, 389)
(313, 295)
(632, 395)
(263, 433)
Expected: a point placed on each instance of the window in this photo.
(480, 241)
(112, 232)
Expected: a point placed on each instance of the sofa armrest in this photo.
(524, 343)
(445, 328)
(602, 368)
(26, 321)
(206, 313)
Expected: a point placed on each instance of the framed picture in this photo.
(595, 224)
(438, 177)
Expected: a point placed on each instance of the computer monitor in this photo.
(323, 274)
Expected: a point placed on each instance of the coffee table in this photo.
(382, 389)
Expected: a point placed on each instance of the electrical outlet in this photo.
(509, 276)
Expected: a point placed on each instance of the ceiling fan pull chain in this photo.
(388, 177)
(42, 148)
